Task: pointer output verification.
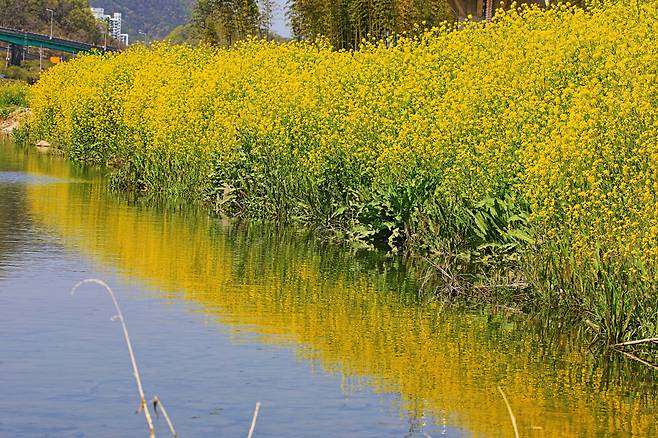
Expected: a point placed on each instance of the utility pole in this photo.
(52, 13)
(146, 37)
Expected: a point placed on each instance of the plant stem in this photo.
(157, 404)
(253, 420)
(511, 414)
(142, 400)
(638, 359)
(639, 341)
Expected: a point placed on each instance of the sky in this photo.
(279, 21)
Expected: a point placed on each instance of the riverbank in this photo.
(515, 158)
(13, 121)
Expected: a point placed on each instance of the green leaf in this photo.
(520, 235)
(481, 225)
(340, 211)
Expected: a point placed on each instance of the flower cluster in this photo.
(553, 110)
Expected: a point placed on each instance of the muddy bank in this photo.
(13, 121)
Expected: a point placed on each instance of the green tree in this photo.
(223, 22)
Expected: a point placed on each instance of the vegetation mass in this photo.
(155, 18)
(518, 157)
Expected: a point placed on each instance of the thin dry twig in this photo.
(639, 359)
(157, 404)
(253, 420)
(142, 400)
(639, 341)
(511, 414)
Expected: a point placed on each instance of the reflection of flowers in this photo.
(553, 109)
(349, 315)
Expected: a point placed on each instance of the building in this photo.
(113, 24)
(123, 37)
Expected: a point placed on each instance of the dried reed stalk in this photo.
(142, 400)
(253, 420)
(639, 341)
(639, 359)
(511, 414)
(157, 404)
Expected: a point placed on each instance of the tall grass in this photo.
(519, 156)
(12, 96)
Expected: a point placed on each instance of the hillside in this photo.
(71, 18)
(157, 18)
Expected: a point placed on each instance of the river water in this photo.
(333, 343)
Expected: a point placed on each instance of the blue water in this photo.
(65, 371)
(214, 339)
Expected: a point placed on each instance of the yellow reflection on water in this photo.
(354, 316)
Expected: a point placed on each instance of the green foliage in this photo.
(12, 96)
(72, 19)
(20, 74)
(28, 71)
(616, 295)
(183, 34)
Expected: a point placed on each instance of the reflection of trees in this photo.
(20, 168)
(13, 221)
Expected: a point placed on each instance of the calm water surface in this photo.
(332, 343)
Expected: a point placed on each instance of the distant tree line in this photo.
(346, 22)
(224, 22)
(343, 22)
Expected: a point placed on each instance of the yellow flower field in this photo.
(526, 145)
